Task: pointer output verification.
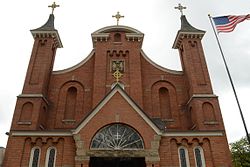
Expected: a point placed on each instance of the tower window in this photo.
(51, 157)
(34, 157)
(199, 157)
(117, 37)
(183, 157)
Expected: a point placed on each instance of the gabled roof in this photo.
(117, 89)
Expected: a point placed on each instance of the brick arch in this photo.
(26, 112)
(208, 112)
(70, 107)
(164, 95)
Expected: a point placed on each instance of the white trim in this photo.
(32, 156)
(75, 66)
(158, 66)
(117, 27)
(181, 35)
(106, 99)
(30, 95)
(194, 134)
(47, 156)
(202, 156)
(167, 134)
(53, 33)
(202, 96)
(39, 133)
(186, 156)
(120, 84)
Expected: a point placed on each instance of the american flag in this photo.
(228, 23)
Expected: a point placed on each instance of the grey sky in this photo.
(157, 19)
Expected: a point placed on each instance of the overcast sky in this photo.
(157, 19)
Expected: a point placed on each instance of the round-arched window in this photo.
(117, 137)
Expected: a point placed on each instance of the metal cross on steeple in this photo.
(53, 6)
(118, 16)
(180, 8)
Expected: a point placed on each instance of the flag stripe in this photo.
(228, 23)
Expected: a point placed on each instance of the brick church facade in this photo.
(117, 107)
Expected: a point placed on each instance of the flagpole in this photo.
(231, 81)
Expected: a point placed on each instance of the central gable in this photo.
(117, 107)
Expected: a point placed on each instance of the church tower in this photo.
(117, 107)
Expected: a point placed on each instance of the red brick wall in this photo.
(142, 80)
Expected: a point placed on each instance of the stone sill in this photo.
(24, 122)
(211, 123)
(69, 121)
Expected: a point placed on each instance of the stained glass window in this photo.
(199, 157)
(52, 153)
(35, 157)
(183, 157)
(50, 157)
(117, 137)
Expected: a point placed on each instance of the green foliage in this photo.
(240, 153)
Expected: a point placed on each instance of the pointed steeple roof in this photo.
(48, 30)
(48, 26)
(186, 31)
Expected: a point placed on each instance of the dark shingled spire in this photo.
(186, 27)
(48, 30)
(48, 26)
(187, 31)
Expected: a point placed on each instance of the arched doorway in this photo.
(113, 145)
(117, 162)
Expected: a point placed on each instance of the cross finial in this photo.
(53, 6)
(117, 75)
(180, 8)
(118, 16)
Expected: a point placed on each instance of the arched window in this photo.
(208, 111)
(183, 157)
(117, 137)
(34, 157)
(165, 108)
(70, 105)
(26, 112)
(50, 157)
(199, 157)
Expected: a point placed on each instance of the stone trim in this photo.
(117, 27)
(30, 95)
(201, 96)
(24, 122)
(160, 67)
(181, 35)
(194, 134)
(39, 133)
(75, 66)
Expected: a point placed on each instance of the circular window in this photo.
(117, 137)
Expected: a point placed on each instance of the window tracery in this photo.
(117, 137)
